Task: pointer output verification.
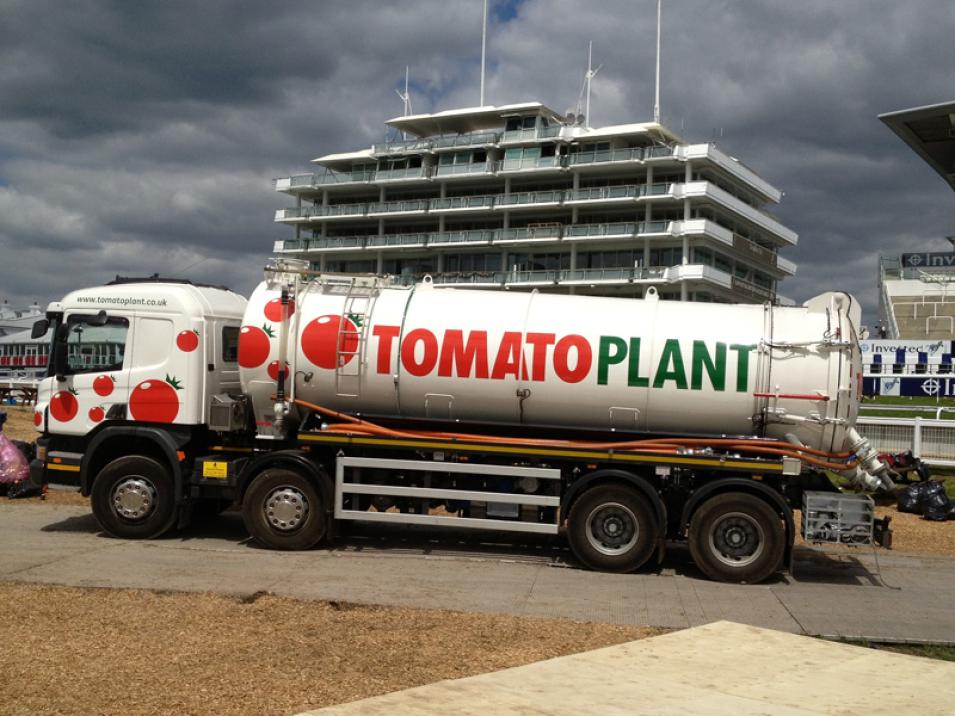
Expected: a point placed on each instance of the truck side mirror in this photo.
(40, 328)
(100, 319)
(60, 356)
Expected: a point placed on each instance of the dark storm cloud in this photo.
(142, 137)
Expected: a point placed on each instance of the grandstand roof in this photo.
(930, 131)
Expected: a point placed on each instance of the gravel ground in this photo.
(135, 652)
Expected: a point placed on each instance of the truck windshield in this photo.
(91, 348)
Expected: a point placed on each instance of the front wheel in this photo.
(132, 498)
(611, 529)
(736, 537)
(284, 510)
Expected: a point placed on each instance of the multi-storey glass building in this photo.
(519, 197)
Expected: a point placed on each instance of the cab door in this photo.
(94, 383)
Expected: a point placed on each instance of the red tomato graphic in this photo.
(63, 406)
(321, 335)
(96, 414)
(103, 385)
(254, 345)
(274, 370)
(37, 418)
(187, 341)
(273, 309)
(155, 401)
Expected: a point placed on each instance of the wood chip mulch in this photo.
(113, 651)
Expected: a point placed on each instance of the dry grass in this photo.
(83, 651)
(19, 425)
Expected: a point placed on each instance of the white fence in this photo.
(933, 441)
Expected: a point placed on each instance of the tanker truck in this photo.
(325, 400)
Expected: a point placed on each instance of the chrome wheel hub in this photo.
(737, 539)
(134, 498)
(286, 508)
(612, 528)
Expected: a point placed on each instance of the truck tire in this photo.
(132, 498)
(736, 537)
(284, 510)
(611, 529)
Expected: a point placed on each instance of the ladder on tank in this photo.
(353, 335)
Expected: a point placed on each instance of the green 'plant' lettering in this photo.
(670, 366)
(715, 368)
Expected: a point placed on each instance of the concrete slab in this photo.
(720, 668)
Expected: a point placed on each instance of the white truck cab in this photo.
(124, 404)
(138, 351)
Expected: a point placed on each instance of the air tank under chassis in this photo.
(627, 365)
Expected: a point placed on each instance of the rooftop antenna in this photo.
(656, 99)
(591, 73)
(483, 51)
(406, 98)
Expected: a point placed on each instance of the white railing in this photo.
(932, 441)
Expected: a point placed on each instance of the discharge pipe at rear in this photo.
(871, 473)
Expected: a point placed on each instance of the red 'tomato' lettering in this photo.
(386, 337)
(409, 348)
(562, 358)
(464, 357)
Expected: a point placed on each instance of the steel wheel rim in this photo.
(286, 508)
(612, 529)
(133, 498)
(737, 539)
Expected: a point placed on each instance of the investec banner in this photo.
(930, 260)
(932, 386)
(890, 349)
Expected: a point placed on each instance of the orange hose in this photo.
(668, 446)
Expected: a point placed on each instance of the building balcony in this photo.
(755, 290)
(651, 153)
(708, 190)
(734, 167)
(457, 170)
(698, 272)
(527, 164)
(390, 175)
(528, 235)
(470, 139)
(397, 241)
(404, 146)
(529, 135)
(602, 194)
(461, 238)
(604, 157)
(529, 199)
(334, 243)
(454, 204)
(786, 266)
(414, 206)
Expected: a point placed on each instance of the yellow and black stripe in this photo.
(537, 451)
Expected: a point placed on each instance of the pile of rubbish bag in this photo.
(15, 456)
(927, 499)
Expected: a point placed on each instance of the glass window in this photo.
(94, 349)
(230, 344)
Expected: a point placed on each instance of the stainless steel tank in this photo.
(648, 366)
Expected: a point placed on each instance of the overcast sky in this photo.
(141, 137)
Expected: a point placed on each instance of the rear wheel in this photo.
(132, 498)
(284, 510)
(736, 537)
(611, 529)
